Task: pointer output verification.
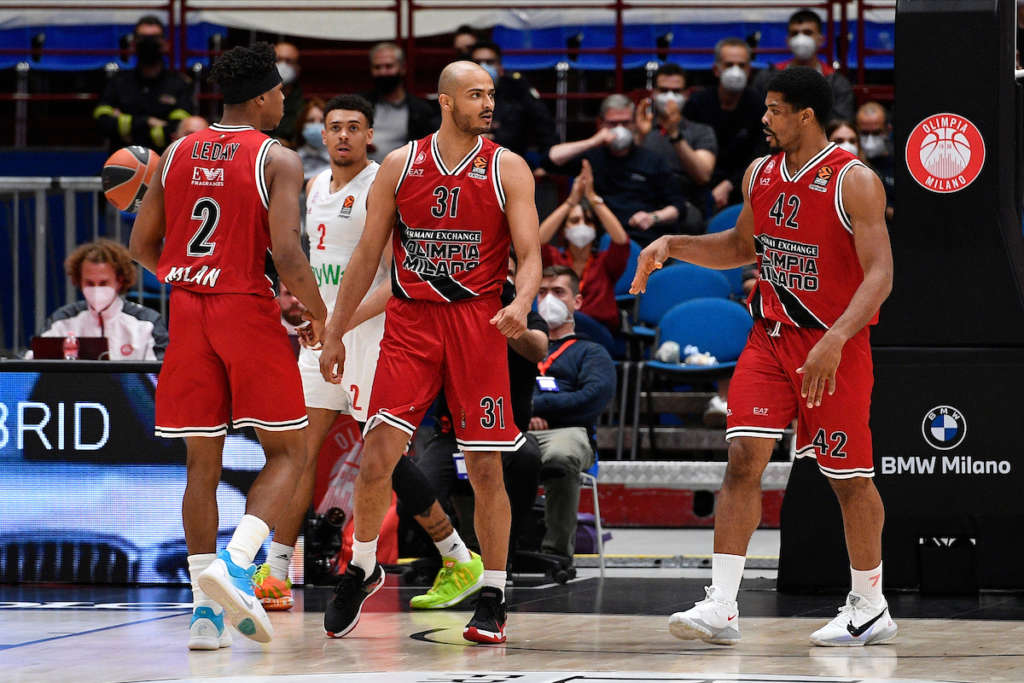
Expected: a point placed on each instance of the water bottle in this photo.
(70, 347)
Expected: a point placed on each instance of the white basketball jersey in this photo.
(334, 222)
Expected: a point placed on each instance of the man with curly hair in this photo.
(223, 200)
(103, 271)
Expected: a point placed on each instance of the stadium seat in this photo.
(588, 480)
(671, 286)
(626, 279)
(724, 219)
(589, 328)
(716, 326)
(640, 36)
(539, 38)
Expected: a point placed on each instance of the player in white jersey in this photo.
(335, 215)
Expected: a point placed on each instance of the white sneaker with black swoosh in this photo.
(858, 623)
(231, 587)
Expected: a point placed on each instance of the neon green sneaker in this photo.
(275, 594)
(455, 582)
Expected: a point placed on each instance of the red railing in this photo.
(179, 53)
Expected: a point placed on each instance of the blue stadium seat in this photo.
(724, 219)
(716, 326)
(589, 328)
(540, 38)
(670, 286)
(641, 36)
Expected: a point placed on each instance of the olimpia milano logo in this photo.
(944, 427)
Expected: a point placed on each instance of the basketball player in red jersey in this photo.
(453, 201)
(813, 218)
(224, 199)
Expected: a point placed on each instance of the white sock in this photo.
(364, 554)
(453, 547)
(495, 579)
(247, 539)
(868, 583)
(279, 558)
(197, 564)
(726, 573)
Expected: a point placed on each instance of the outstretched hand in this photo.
(651, 259)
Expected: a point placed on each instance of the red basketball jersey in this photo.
(452, 238)
(804, 240)
(215, 203)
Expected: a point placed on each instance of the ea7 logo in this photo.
(207, 176)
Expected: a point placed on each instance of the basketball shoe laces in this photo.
(260, 577)
(457, 576)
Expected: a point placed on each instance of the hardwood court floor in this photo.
(615, 625)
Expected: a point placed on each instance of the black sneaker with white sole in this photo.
(352, 590)
(488, 622)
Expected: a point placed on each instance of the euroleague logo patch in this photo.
(944, 427)
(346, 207)
(821, 179)
(479, 169)
(945, 153)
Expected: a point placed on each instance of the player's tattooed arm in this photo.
(146, 241)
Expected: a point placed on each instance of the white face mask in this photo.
(662, 99)
(99, 298)
(622, 139)
(848, 146)
(580, 235)
(734, 79)
(873, 145)
(287, 71)
(803, 46)
(553, 310)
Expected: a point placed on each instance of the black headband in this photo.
(241, 91)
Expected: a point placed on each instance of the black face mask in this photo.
(149, 50)
(386, 84)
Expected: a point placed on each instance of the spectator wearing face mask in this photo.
(577, 221)
(143, 106)
(577, 379)
(399, 116)
(876, 144)
(690, 148)
(733, 110)
(805, 40)
(103, 271)
(636, 183)
(520, 121)
(309, 139)
(463, 41)
(288, 66)
(842, 132)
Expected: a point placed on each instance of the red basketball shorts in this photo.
(228, 358)
(428, 346)
(764, 397)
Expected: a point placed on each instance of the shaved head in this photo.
(453, 75)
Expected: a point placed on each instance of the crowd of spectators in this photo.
(659, 162)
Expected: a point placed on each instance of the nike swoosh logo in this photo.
(250, 604)
(858, 631)
(731, 618)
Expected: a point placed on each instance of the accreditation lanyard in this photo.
(546, 363)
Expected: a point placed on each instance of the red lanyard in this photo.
(546, 363)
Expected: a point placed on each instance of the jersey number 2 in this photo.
(778, 214)
(207, 211)
(442, 193)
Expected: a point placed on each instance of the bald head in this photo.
(454, 76)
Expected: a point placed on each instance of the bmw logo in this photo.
(944, 427)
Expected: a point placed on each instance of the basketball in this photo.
(126, 175)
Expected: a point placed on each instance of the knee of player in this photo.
(375, 469)
(745, 463)
(853, 488)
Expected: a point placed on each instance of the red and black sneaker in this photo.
(488, 622)
(353, 589)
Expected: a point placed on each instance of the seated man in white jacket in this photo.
(103, 270)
